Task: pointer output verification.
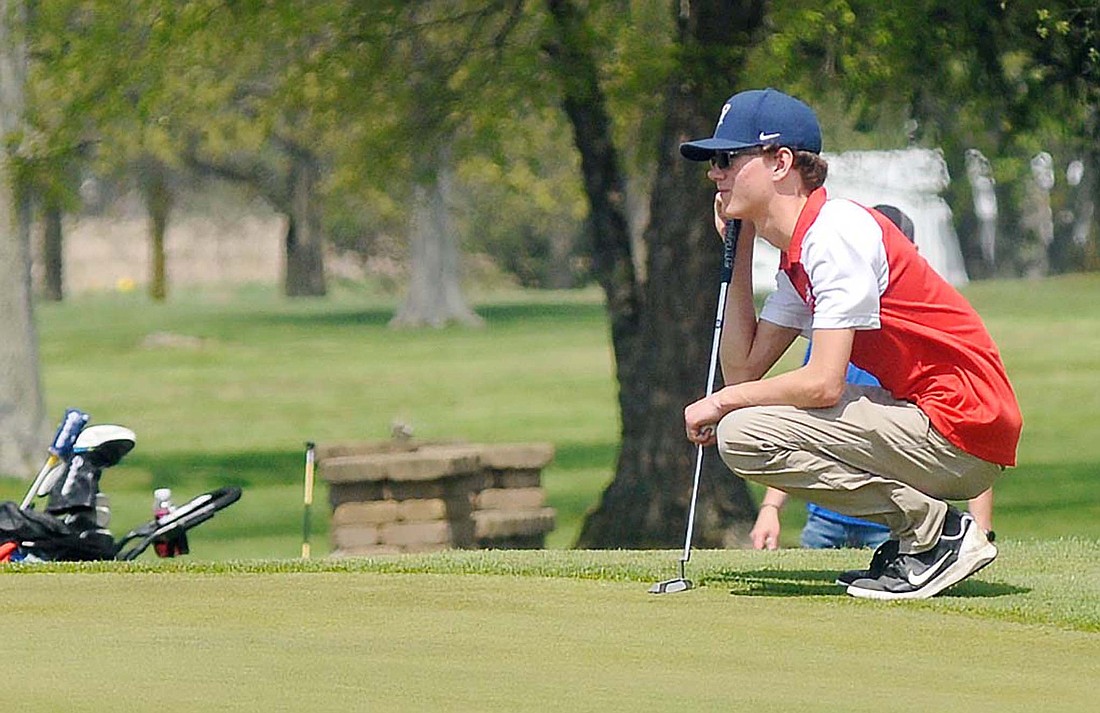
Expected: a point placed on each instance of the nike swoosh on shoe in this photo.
(919, 580)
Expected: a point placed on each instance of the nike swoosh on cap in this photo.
(919, 580)
(767, 137)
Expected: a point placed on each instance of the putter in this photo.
(682, 583)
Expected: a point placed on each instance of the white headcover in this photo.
(95, 436)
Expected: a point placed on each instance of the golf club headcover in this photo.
(67, 432)
(104, 445)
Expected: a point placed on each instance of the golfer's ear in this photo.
(784, 162)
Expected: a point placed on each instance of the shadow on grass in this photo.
(557, 311)
(496, 314)
(974, 589)
(368, 317)
(822, 583)
(779, 583)
(217, 469)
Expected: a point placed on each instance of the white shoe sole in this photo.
(976, 552)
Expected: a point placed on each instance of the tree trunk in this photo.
(661, 329)
(22, 417)
(53, 261)
(305, 262)
(158, 201)
(435, 295)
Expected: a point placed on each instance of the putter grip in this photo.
(733, 231)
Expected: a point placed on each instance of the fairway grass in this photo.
(550, 630)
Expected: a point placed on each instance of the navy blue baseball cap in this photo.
(759, 117)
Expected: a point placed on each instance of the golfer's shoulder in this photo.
(843, 225)
(845, 215)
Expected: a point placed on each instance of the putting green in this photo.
(319, 641)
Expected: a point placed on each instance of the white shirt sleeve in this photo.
(784, 307)
(845, 260)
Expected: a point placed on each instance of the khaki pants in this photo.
(869, 456)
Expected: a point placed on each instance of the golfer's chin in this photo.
(730, 209)
(730, 212)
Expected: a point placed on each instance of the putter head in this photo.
(671, 586)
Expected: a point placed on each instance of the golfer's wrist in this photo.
(724, 400)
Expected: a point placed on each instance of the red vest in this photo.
(931, 348)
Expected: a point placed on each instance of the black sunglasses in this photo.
(723, 159)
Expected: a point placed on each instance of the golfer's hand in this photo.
(765, 533)
(700, 419)
(719, 221)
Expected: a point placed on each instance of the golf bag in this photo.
(74, 524)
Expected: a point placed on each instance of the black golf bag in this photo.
(74, 525)
(30, 534)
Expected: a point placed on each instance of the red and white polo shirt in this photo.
(850, 267)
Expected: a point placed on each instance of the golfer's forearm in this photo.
(802, 388)
(738, 336)
(818, 384)
(769, 343)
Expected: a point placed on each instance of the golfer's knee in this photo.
(739, 444)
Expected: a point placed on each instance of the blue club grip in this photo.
(733, 231)
(65, 438)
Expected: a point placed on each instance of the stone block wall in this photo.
(407, 496)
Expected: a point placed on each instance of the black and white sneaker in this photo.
(961, 551)
(883, 555)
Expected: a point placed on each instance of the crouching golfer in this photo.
(945, 422)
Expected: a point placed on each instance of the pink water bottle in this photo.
(162, 503)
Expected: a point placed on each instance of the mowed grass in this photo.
(241, 625)
(564, 630)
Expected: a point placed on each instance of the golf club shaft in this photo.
(733, 229)
(307, 500)
(51, 461)
(699, 449)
